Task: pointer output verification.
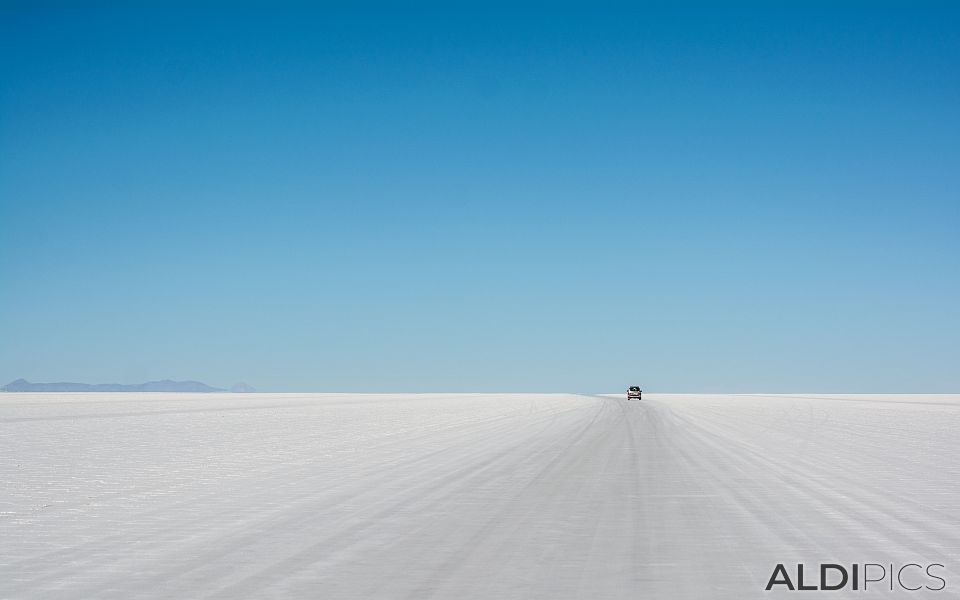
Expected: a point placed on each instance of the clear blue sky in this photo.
(497, 196)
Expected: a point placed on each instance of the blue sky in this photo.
(482, 197)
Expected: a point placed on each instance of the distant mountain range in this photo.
(165, 385)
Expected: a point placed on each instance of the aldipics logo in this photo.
(863, 577)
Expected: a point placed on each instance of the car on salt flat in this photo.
(634, 392)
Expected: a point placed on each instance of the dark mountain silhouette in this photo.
(165, 385)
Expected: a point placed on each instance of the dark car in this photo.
(634, 392)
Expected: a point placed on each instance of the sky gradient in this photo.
(487, 197)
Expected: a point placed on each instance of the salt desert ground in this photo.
(469, 495)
